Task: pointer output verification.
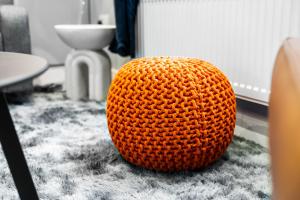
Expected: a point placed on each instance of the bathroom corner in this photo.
(46, 43)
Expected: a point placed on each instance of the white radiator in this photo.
(241, 37)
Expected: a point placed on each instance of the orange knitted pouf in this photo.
(171, 114)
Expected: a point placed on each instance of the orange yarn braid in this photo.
(171, 114)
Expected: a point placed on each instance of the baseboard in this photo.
(252, 136)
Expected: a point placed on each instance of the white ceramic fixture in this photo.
(88, 75)
(88, 67)
(86, 36)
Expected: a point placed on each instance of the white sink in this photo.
(86, 36)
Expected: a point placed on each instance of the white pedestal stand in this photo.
(88, 75)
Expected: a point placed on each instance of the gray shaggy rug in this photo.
(71, 156)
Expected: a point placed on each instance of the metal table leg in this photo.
(14, 154)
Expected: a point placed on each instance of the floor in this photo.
(252, 116)
(55, 74)
(86, 165)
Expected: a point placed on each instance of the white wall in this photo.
(102, 7)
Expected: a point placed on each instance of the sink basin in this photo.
(86, 36)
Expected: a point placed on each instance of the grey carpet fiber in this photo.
(71, 156)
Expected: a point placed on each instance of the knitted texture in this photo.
(171, 114)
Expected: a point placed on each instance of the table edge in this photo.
(19, 79)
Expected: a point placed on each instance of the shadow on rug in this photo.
(71, 156)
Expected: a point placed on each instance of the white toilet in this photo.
(88, 67)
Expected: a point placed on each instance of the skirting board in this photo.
(252, 136)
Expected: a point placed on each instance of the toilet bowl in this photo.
(86, 36)
(88, 67)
